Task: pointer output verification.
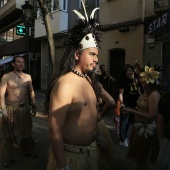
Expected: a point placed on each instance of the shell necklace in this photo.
(79, 74)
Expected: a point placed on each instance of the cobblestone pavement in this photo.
(40, 132)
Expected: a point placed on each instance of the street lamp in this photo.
(28, 21)
(27, 13)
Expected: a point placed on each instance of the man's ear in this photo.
(76, 55)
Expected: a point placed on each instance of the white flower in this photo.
(150, 75)
(145, 129)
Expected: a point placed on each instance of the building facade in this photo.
(12, 44)
(126, 37)
(159, 31)
(132, 30)
(123, 26)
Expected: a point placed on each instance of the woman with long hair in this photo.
(128, 95)
(144, 140)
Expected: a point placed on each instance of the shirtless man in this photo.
(15, 96)
(73, 120)
(72, 103)
(76, 105)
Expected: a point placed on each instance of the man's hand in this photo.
(122, 106)
(4, 114)
(33, 110)
(127, 110)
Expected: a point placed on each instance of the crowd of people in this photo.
(77, 99)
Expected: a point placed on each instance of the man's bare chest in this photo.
(17, 83)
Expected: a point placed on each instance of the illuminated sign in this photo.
(21, 30)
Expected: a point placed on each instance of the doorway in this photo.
(35, 70)
(117, 63)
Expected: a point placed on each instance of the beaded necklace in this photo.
(79, 74)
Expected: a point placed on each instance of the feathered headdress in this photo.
(151, 74)
(85, 33)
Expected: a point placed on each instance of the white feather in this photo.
(79, 14)
(93, 12)
(85, 11)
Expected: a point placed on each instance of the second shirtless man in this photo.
(16, 93)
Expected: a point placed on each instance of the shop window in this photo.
(63, 5)
(54, 5)
(9, 36)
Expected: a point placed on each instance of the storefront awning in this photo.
(6, 60)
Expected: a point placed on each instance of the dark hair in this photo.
(164, 108)
(123, 74)
(128, 66)
(94, 83)
(14, 59)
(101, 66)
(136, 76)
(152, 87)
(65, 65)
(163, 105)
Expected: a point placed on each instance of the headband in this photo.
(85, 33)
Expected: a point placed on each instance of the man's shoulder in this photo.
(26, 75)
(6, 75)
(10, 73)
(68, 76)
(63, 84)
(65, 79)
(68, 80)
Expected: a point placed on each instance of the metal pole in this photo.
(28, 48)
(27, 12)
